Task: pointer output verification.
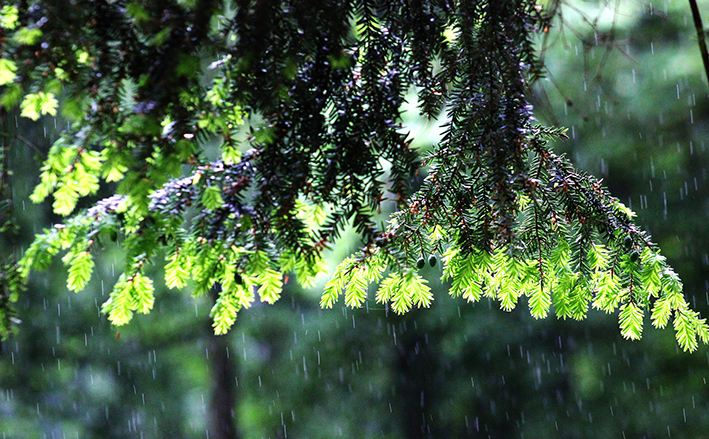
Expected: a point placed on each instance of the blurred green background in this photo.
(626, 78)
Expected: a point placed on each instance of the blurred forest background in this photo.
(626, 78)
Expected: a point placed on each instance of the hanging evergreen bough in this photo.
(305, 103)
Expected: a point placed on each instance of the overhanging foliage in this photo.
(304, 100)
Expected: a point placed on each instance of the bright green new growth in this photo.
(613, 282)
(305, 109)
(7, 71)
(37, 104)
(193, 260)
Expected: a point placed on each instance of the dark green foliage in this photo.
(304, 101)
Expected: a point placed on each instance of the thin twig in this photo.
(32, 146)
(700, 35)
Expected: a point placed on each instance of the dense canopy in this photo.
(239, 140)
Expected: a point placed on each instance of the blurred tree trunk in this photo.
(5, 200)
(222, 418)
(413, 371)
(8, 227)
